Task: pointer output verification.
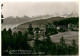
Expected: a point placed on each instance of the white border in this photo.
(79, 28)
(38, 1)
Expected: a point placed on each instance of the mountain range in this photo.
(24, 19)
(12, 22)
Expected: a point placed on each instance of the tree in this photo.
(18, 40)
(30, 29)
(9, 31)
(62, 41)
(48, 43)
(3, 37)
(62, 45)
(24, 43)
(36, 45)
(14, 40)
(50, 30)
(74, 47)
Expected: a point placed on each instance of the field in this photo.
(68, 36)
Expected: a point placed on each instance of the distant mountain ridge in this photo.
(20, 20)
(11, 22)
(17, 20)
(70, 15)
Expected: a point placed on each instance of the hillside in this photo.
(35, 23)
(68, 36)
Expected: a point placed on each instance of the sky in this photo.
(38, 8)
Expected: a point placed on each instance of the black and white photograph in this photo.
(39, 28)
